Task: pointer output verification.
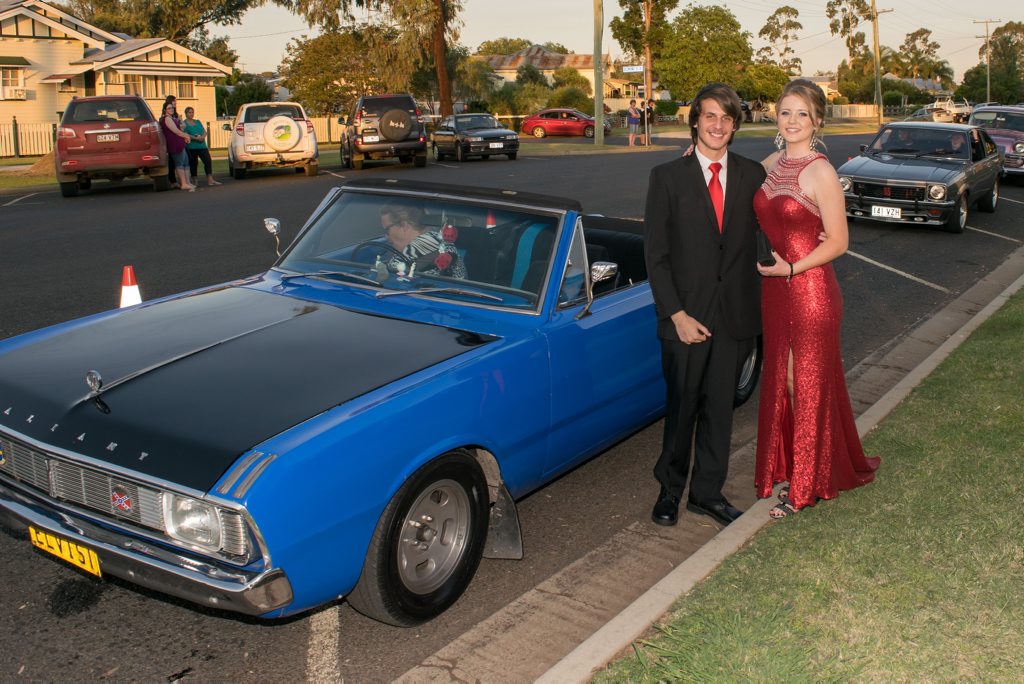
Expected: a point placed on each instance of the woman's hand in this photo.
(780, 269)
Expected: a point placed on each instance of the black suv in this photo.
(383, 126)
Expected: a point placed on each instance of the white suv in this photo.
(272, 134)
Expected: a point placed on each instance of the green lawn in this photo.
(914, 578)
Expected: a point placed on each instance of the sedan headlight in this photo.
(474, 138)
(512, 137)
(1019, 147)
(937, 192)
(845, 183)
(192, 521)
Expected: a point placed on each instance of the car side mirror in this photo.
(863, 148)
(273, 227)
(600, 271)
(225, 127)
(343, 120)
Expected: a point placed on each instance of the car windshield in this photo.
(476, 122)
(921, 142)
(460, 251)
(999, 120)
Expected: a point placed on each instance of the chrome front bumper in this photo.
(149, 565)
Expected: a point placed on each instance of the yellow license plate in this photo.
(79, 556)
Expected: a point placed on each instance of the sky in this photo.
(261, 39)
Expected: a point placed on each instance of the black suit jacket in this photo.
(688, 261)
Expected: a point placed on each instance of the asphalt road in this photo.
(62, 258)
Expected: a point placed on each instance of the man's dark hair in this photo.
(727, 99)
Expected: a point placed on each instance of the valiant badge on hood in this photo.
(94, 381)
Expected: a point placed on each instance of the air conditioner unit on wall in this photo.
(14, 93)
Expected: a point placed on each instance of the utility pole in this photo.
(598, 73)
(988, 56)
(648, 9)
(878, 63)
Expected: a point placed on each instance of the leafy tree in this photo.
(571, 96)
(919, 50)
(856, 79)
(781, 28)
(503, 46)
(328, 73)
(569, 77)
(1007, 39)
(1007, 85)
(630, 30)
(556, 47)
(844, 18)
(762, 82)
(474, 80)
(219, 51)
(250, 88)
(703, 44)
(517, 100)
(527, 73)
(177, 21)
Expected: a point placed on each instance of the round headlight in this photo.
(192, 521)
(845, 183)
(1019, 147)
(937, 192)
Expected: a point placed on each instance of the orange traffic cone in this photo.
(491, 223)
(129, 288)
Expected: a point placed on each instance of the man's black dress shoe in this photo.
(722, 511)
(666, 511)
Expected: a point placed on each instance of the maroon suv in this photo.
(109, 136)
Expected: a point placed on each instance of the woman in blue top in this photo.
(633, 121)
(197, 148)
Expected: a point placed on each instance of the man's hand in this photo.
(690, 330)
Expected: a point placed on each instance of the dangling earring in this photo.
(815, 140)
(780, 142)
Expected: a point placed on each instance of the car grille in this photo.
(98, 491)
(895, 192)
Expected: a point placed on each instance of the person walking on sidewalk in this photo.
(197, 148)
(806, 434)
(700, 249)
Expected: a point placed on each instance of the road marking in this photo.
(336, 175)
(1004, 237)
(1007, 199)
(18, 199)
(898, 272)
(322, 657)
(447, 166)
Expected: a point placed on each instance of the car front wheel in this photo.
(427, 544)
(988, 202)
(588, 132)
(539, 132)
(438, 154)
(958, 221)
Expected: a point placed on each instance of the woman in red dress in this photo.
(806, 432)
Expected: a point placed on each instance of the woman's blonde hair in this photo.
(810, 93)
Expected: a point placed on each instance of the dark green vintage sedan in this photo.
(923, 173)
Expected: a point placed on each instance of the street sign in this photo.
(634, 69)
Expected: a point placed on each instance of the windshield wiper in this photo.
(343, 274)
(447, 290)
(938, 153)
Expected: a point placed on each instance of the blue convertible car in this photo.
(353, 423)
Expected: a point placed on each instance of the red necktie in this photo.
(715, 190)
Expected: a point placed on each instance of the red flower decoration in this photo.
(443, 260)
(449, 233)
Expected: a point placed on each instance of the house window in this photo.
(186, 88)
(133, 84)
(12, 83)
(66, 86)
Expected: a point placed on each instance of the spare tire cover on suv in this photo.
(282, 133)
(395, 124)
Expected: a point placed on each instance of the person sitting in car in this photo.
(419, 251)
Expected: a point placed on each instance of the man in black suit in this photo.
(701, 255)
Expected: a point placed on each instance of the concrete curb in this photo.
(609, 641)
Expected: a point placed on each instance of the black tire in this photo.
(750, 373)
(395, 125)
(512, 156)
(238, 173)
(588, 132)
(357, 162)
(420, 160)
(958, 221)
(346, 156)
(460, 156)
(414, 573)
(161, 184)
(438, 154)
(69, 189)
(312, 168)
(538, 132)
(988, 203)
(85, 184)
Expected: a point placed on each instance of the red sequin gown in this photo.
(812, 444)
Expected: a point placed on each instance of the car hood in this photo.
(189, 384)
(1005, 138)
(488, 132)
(885, 167)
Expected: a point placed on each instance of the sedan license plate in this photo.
(254, 148)
(79, 556)
(887, 212)
(371, 138)
(497, 146)
(108, 137)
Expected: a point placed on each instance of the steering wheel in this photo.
(382, 247)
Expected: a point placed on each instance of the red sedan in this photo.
(561, 122)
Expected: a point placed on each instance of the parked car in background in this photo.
(1005, 125)
(272, 134)
(561, 122)
(923, 173)
(110, 137)
(383, 127)
(960, 109)
(464, 135)
(354, 422)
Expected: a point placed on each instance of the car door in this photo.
(444, 136)
(985, 164)
(605, 366)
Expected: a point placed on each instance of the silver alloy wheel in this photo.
(962, 218)
(433, 536)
